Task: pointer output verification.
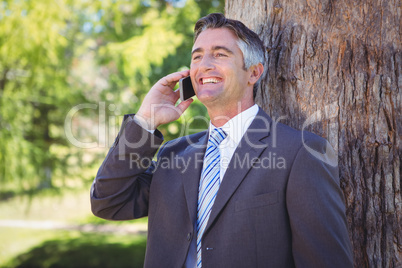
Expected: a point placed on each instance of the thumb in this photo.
(184, 105)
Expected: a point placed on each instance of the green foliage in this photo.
(55, 55)
(88, 250)
(33, 89)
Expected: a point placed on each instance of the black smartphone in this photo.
(186, 88)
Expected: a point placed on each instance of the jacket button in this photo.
(189, 236)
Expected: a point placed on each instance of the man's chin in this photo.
(206, 99)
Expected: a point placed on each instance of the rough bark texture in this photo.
(337, 67)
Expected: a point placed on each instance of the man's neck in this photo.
(221, 115)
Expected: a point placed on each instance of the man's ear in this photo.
(255, 73)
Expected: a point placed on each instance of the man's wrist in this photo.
(145, 124)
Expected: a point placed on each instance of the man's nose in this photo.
(207, 63)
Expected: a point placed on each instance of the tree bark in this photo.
(336, 66)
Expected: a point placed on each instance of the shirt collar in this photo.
(238, 125)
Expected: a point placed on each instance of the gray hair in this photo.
(249, 43)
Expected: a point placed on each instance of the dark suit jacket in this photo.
(278, 205)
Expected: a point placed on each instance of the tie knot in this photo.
(217, 136)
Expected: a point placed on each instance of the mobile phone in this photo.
(186, 88)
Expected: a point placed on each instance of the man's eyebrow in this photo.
(199, 49)
(223, 48)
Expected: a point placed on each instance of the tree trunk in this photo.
(337, 67)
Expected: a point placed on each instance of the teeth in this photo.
(209, 80)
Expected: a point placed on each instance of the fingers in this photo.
(184, 105)
(172, 79)
(163, 98)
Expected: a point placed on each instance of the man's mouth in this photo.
(210, 81)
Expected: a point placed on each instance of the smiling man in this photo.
(251, 193)
(221, 81)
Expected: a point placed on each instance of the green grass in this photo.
(17, 240)
(33, 247)
(72, 249)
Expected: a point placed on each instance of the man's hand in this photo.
(158, 106)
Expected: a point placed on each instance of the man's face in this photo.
(217, 72)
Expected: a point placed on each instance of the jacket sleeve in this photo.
(316, 208)
(120, 190)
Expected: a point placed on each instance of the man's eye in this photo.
(196, 57)
(220, 55)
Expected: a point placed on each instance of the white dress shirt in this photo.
(235, 128)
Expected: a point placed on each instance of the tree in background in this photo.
(37, 42)
(335, 67)
(81, 64)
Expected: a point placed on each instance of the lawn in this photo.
(58, 230)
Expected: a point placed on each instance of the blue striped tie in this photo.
(209, 185)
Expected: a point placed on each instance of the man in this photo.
(249, 192)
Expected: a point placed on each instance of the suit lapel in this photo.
(251, 146)
(195, 153)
